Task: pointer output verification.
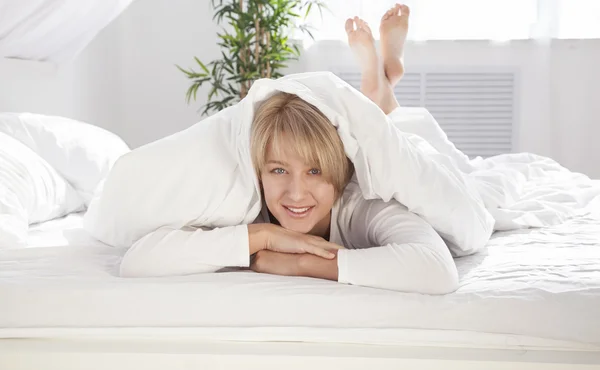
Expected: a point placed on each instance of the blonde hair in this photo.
(315, 139)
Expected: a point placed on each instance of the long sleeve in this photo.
(168, 251)
(396, 250)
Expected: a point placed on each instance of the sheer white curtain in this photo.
(471, 19)
(53, 30)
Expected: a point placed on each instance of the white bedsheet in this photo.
(535, 288)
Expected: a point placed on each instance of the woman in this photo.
(315, 221)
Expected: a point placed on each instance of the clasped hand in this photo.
(289, 253)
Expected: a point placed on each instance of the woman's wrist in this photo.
(257, 237)
(317, 267)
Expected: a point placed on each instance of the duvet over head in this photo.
(203, 176)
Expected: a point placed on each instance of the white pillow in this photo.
(82, 153)
(30, 191)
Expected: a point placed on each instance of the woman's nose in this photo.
(297, 189)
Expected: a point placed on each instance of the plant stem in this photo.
(258, 36)
(243, 90)
(268, 75)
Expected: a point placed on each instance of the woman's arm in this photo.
(408, 256)
(277, 263)
(168, 251)
(320, 268)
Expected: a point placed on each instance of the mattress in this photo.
(535, 288)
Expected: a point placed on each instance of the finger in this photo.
(321, 253)
(329, 245)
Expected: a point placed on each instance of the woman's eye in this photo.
(278, 171)
(315, 171)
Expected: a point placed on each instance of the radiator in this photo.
(475, 108)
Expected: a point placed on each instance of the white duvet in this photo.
(204, 176)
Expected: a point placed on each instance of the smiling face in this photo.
(296, 193)
(300, 162)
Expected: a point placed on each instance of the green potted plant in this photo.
(257, 44)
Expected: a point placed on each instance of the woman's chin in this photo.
(299, 227)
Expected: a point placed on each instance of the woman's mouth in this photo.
(298, 212)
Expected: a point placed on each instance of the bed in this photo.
(529, 300)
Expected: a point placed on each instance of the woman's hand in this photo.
(277, 239)
(286, 241)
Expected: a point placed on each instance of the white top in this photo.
(386, 247)
(389, 247)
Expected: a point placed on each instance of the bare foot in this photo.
(393, 30)
(362, 44)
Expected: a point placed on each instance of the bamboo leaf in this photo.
(189, 74)
(188, 95)
(308, 8)
(304, 28)
(229, 70)
(202, 80)
(233, 90)
(201, 64)
(196, 86)
(228, 99)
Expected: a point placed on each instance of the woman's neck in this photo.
(322, 228)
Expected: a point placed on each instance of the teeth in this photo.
(298, 210)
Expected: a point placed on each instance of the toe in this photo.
(404, 10)
(366, 27)
(391, 11)
(397, 9)
(349, 25)
(359, 22)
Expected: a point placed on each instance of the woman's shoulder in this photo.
(352, 202)
(358, 217)
(351, 197)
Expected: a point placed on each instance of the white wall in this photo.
(126, 80)
(87, 89)
(157, 34)
(575, 109)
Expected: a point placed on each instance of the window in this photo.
(470, 19)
